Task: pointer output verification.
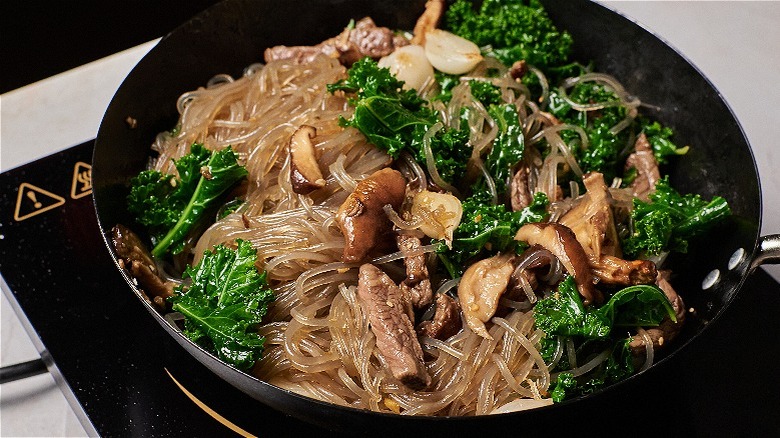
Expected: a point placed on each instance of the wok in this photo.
(233, 34)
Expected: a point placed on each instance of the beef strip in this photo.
(416, 286)
(520, 193)
(365, 39)
(139, 262)
(446, 320)
(391, 319)
(643, 160)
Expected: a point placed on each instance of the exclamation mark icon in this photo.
(31, 195)
(39, 199)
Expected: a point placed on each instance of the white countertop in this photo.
(735, 44)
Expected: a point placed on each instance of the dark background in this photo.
(39, 39)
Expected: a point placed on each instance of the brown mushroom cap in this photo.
(562, 242)
(361, 217)
(305, 174)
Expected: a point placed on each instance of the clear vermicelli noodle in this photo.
(464, 249)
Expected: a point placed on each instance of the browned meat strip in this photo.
(427, 21)
(365, 39)
(518, 69)
(521, 196)
(613, 270)
(643, 160)
(361, 217)
(389, 316)
(446, 319)
(668, 329)
(417, 286)
(561, 241)
(138, 261)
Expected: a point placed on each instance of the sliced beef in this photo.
(365, 39)
(518, 69)
(647, 174)
(417, 285)
(390, 317)
(446, 320)
(139, 262)
(521, 194)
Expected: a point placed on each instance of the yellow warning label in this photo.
(82, 180)
(34, 200)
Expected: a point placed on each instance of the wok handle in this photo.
(767, 251)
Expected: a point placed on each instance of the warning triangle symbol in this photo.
(34, 200)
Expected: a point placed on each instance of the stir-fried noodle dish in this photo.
(457, 219)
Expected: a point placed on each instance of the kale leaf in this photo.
(224, 304)
(670, 220)
(564, 314)
(395, 119)
(157, 200)
(659, 138)
(514, 30)
(604, 147)
(171, 207)
(487, 228)
(507, 149)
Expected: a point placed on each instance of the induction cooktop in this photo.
(125, 376)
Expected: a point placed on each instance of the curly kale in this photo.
(563, 317)
(604, 147)
(487, 229)
(670, 220)
(514, 30)
(225, 302)
(394, 119)
(171, 207)
(659, 138)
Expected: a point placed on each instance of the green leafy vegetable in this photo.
(564, 314)
(225, 302)
(604, 147)
(487, 229)
(157, 200)
(394, 119)
(485, 92)
(514, 29)
(507, 149)
(564, 387)
(659, 138)
(670, 220)
(171, 207)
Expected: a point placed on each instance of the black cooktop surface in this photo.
(131, 379)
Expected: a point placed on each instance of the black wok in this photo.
(233, 34)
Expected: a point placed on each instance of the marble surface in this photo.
(735, 44)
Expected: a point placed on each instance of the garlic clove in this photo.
(409, 64)
(441, 214)
(450, 53)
